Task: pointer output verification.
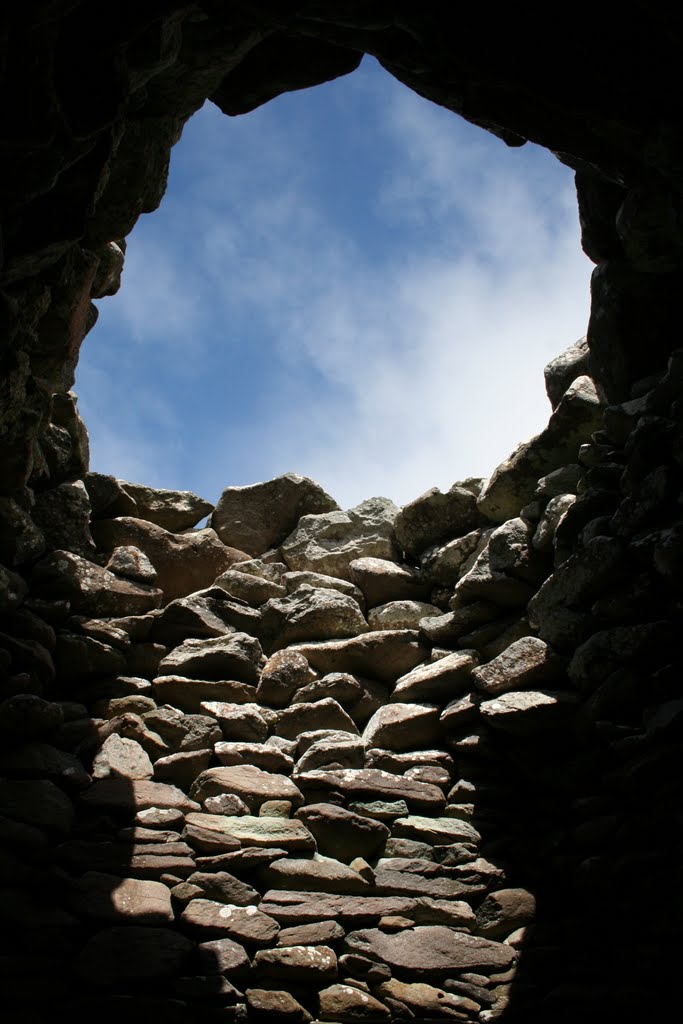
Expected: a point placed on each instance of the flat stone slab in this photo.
(436, 831)
(431, 950)
(137, 795)
(249, 783)
(216, 920)
(383, 654)
(306, 908)
(283, 833)
(372, 783)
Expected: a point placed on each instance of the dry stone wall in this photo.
(375, 772)
(307, 763)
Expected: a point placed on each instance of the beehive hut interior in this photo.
(312, 764)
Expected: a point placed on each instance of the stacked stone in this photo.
(294, 792)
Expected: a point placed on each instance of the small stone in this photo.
(346, 1003)
(122, 757)
(297, 964)
(210, 919)
(274, 1005)
(251, 784)
(403, 726)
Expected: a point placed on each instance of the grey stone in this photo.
(63, 515)
(438, 681)
(526, 711)
(371, 783)
(382, 580)
(403, 726)
(384, 654)
(259, 516)
(249, 783)
(310, 613)
(133, 564)
(431, 951)
(401, 614)
(564, 369)
(249, 587)
(91, 589)
(434, 517)
(235, 656)
(329, 543)
(172, 510)
(321, 714)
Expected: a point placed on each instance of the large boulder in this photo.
(91, 589)
(435, 516)
(310, 613)
(328, 543)
(259, 516)
(173, 510)
(185, 562)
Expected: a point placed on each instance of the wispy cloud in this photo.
(382, 353)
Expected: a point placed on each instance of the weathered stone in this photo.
(321, 714)
(311, 965)
(223, 887)
(136, 795)
(91, 589)
(512, 485)
(371, 783)
(312, 874)
(329, 543)
(239, 722)
(342, 833)
(563, 370)
(172, 510)
(283, 674)
(132, 954)
(483, 583)
(182, 769)
(381, 654)
(209, 919)
(269, 759)
(222, 956)
(503, 911)
(123, 758)
(289, 835)
(402, 726)
(63, 515)
(526, 712)
(334, 749)
(348, 1003)
(346, 689)
(259, 516)
(431, 951)
(445, 563)
(435, 516)
(426, 1001)
(381, 581)
(310, 613)
(185, 562)
(438, 681)
(189, 694)
(437, 831)
(553, 513)
(248, 587)
(208, 613)
(274, 1005)
(249, 783)
(109, 898)
(319, 933)
(390, 761)
(295, 580)
(301, 908)
(524, 664)
(401, 614)
(235, 656)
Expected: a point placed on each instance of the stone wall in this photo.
(392, 764)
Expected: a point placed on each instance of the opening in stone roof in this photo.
(351, 283)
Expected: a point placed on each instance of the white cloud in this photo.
(374, 376)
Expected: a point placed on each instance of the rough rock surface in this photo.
(259, 516)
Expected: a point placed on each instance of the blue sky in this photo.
(349, 283)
